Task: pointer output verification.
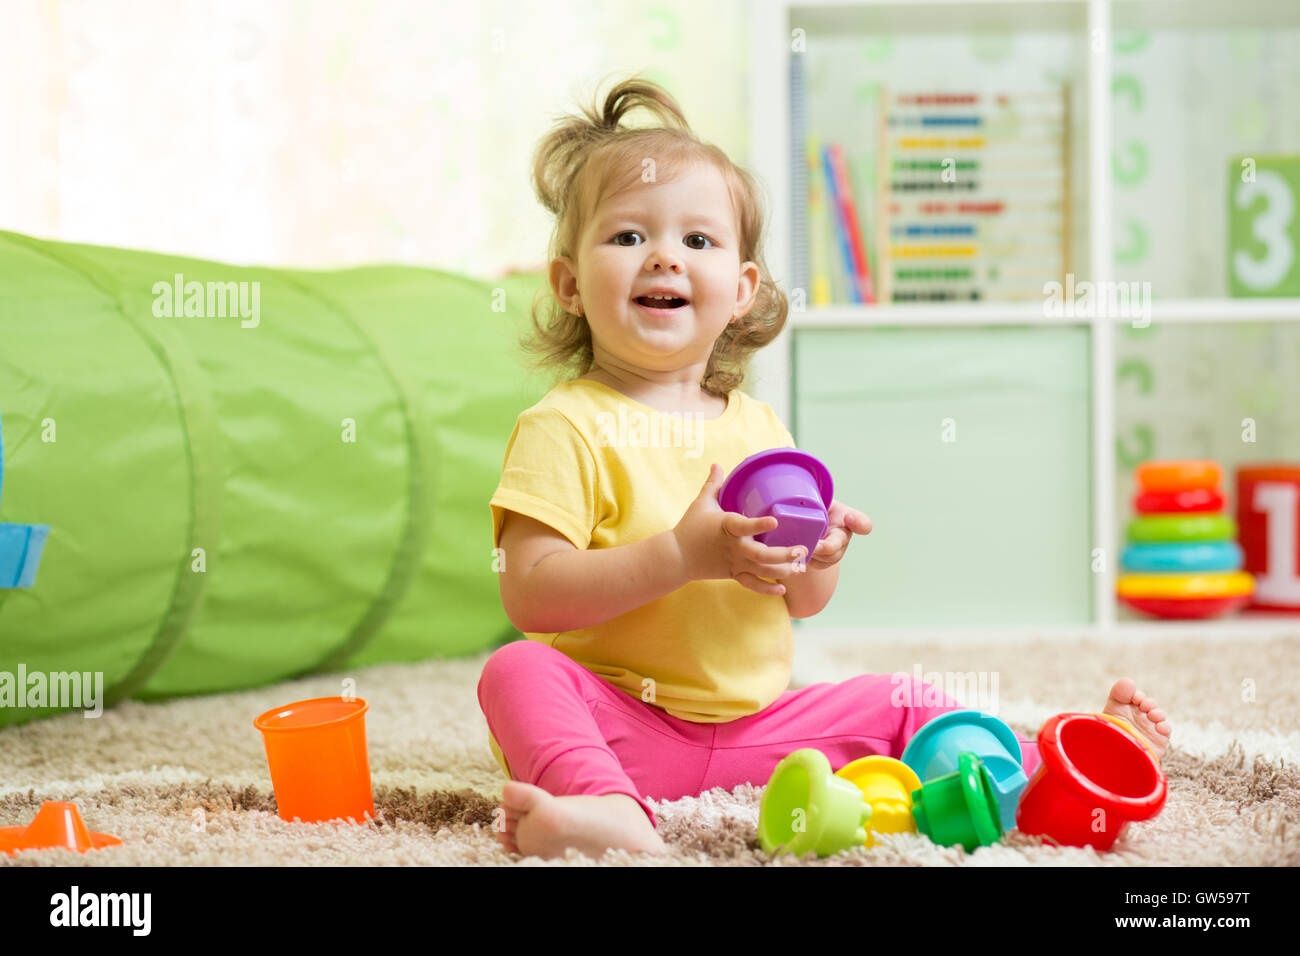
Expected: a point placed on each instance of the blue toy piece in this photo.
(20, 544)
(1185, 557)
(20, 553)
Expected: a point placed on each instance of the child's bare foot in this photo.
(1141, 711)
(539, 824)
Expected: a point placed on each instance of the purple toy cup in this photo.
(788, 484)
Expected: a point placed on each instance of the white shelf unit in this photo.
(772, 26)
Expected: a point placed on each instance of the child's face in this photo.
(680, 234)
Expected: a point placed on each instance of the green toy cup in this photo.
(807, 808)
(959, 808)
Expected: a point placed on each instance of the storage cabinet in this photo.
(1018, 521)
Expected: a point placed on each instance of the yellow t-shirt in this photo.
(605, 470)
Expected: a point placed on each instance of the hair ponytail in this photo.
(559, 158)
(630, 94)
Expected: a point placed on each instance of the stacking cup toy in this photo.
(934, 751)
(1094, 779)
(56, 824)
(807, 808)
(316, 750)
(959, 808)
(886, 786)
(788, 484)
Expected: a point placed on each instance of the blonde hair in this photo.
(584, 158)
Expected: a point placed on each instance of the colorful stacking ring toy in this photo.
(1175, 476)
(1154, 529)
(1164, 502)
(1223, 584)
(1183, 558)
(1182, 561)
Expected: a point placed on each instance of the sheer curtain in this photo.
(325, 134)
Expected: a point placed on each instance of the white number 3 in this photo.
(1270, 228)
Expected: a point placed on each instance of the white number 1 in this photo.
(1280, 585)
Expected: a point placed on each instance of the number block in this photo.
(1268, 528)
(1263, 226)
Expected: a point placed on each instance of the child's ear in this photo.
(564, 283)
(749, 276)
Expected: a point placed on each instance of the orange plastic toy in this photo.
(316, 751)
(57, 823)
(1176, 476)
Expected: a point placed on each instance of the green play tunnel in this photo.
(294, 480)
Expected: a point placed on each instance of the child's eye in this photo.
(695, 235)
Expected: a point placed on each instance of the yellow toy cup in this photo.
(316, 750)
(886, 786)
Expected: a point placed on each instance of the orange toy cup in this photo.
(316, 750)
(57, 824)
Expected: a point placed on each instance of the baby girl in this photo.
(659, 644)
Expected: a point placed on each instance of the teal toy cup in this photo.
(807, 808)
(935, 749)
(959, 808)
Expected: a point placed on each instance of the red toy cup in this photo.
(316, 751)
(1093, 780)
(788, 484)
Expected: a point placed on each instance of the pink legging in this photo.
(570, 732)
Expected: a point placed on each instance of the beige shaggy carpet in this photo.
(185, 782)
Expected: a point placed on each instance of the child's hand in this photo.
(718, 544)
(844, 523)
